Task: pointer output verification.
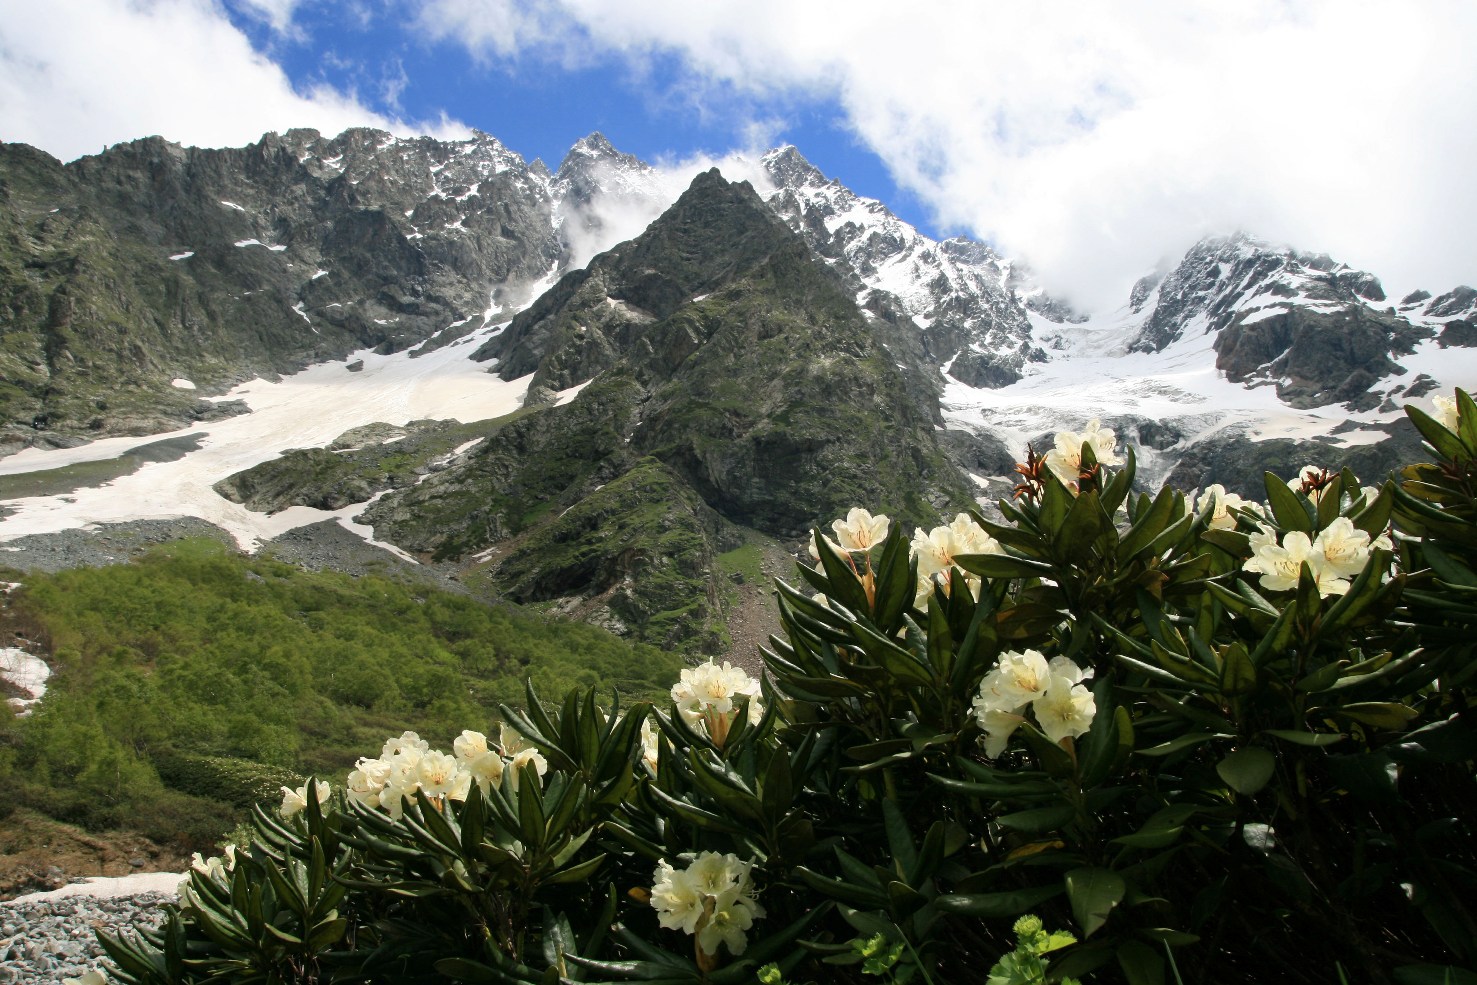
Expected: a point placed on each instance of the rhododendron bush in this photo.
(1213, 737)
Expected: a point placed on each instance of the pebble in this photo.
(46, 941)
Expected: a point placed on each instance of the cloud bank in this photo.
(76, 75)
(1094, 140)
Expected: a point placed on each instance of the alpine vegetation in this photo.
(1213, 740)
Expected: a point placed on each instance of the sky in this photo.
(1093, 141)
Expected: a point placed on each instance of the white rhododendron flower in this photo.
(1280, 565)
(1018, 678)
(674, 894)
(712, 898)
(649, 747)
(1344, 547)
(486, 770)
(1065, 459)
(999, 726)
(294, 801)
(1066, 709)
(469, 745)
(815, 549)
(860, 531)
(1052, 691)
(440, 775)
(1221, 503)
(1445, 411)
(937, 549)
(407, 744)
(367, 780)
(733, 914)
(706, 696)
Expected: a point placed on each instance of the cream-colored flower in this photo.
(676, 898)
(999, 725)
(469, 745)
(937, 549)
(1221, 503)
(367, 780)
(712, 898)
(486, 770)
(440, 775)
(733, 914)
(529, 756)
(860, 531)
(214, 867)
(650, 749)
(294, 801)
(1280, 565)
(1065, 459)
(1065, 710)
(1345, 548)
(707, 693)
(408, 743)
(1019, 677)
(815, 549)
(1066, 668)
(715, 872)
(1445, 411)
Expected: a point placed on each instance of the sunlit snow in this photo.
(307, 410)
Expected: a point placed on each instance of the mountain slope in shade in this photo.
(710, 375)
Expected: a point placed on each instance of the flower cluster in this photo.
(937, 549)
(712, 898)
(408, 763)
(1221, 503)
(705, 696)
(1065, 459)
(1337, 554)
(1446, 411)
(1052, 691)
(294, 801)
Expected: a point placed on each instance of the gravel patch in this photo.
(92, 547)
(44, 940)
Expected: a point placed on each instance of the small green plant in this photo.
(1025, 965)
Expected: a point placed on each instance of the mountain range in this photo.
(747, 357)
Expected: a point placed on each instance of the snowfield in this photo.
(307, 410)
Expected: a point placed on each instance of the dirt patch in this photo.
(37, 853)
(754, 615)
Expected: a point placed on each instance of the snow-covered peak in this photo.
(1243, 279)
(971, 303)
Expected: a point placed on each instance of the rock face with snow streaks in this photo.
(970, 303)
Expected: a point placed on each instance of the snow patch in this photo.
(232, 205)
(181, 383)
(27, 672)
(183, 256)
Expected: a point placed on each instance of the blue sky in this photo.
(1092, 141)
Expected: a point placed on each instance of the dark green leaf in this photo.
(1247, 769)
(1093, 893)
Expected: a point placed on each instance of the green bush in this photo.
(1222, 741)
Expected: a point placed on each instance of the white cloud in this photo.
(1095, 139)
(76, 75)
(613, 217)
(276, 14)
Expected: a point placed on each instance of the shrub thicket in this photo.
(191, 680)
(1216, 739)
